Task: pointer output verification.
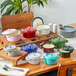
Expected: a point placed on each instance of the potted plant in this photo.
(15, 6)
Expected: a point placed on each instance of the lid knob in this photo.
(29, 28)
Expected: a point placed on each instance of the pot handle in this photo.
(41, 44)
(27, 59)
(54, 46)
(43, 57)
(58, 57)
(51, 26)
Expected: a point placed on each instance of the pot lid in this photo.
(9, 48)
(51, 56)
(29, 29)
(69, 29)
(29, 46)
(67, 48)
(48, 46)
(42, 27)
(63, 51)
(34, 55)
(9, 31)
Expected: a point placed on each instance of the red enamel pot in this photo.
(48, 48)
(29, 32)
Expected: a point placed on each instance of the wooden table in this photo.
(43, 68)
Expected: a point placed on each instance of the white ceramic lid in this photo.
(48, 46)
(9, 48)
(42, 27)
(9, 31)
(34, 55)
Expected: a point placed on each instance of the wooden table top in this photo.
(43, 67)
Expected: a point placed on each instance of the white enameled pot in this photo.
(12, 50)
(44, 29)
(33, 58)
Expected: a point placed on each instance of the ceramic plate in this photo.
(37, 21)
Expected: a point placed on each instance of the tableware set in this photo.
(33, 56)
(67, 31)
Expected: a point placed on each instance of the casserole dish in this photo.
(47, 48)
(12, 35)
(33, 58)
(12, 50)
(30, 48)
(44, 29)
(64, 54)
(51, 58)
(29, 32)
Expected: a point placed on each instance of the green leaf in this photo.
(3, 9)
(45, 1)
(24, 11)
(8, 12)
(5, 3)
(38, 2)
(23, 1)
(10, 8)
(14, 10)
(41, 3)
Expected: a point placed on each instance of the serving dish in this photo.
(12, 35)
(12, 50)
(33, 58)
(51, 58)
(44, 29)
(64, 54)
(30, 48)
(68, 31)
(29, 32)
(47, 48)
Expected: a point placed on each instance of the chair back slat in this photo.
(17, 21)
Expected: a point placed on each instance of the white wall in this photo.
(57, 11)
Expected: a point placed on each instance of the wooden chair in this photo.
(67, 69)
(17, 21)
